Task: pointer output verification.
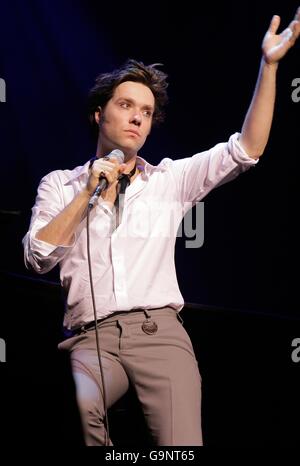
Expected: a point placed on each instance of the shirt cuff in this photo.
(45, 249)
(238, 152)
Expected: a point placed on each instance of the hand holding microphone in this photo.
(105, 173)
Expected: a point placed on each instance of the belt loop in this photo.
(147, 314)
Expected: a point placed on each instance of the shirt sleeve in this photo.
(197, 175)
(39, 255)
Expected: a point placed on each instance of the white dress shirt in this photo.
(133, 266)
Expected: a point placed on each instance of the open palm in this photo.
(275, 46)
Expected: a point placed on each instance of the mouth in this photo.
(132, 131)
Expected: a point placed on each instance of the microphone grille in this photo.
(117, 154)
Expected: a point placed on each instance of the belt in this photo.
(92, 324)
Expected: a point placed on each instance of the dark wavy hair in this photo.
(132, 70)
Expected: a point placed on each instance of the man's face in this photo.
(126, 119)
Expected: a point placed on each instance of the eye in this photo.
(147, 113)
(124, 104)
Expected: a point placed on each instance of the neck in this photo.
(103, 150)
(129, 165)
(130, 159)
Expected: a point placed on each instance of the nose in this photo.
(136, 119)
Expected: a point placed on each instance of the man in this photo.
(133, 287)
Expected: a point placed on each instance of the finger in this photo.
(111, 177)
(108, 162)
(287, 34)
(103, 163)
(114, 160)
(292, 32)
(102, 171)
(108, 166)
(295, 27)
(122, 167)
(275, 21)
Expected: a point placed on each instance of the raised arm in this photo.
(257, 124)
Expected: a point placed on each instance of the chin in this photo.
(130, 149)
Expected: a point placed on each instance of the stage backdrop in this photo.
(244, 275)
(50, 55)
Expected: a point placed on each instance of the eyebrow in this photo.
(132, 101)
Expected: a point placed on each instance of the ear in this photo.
(98, 115)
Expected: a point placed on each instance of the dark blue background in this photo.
(51, 52)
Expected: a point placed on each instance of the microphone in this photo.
(103, 183)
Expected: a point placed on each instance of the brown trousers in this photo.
(161, 367)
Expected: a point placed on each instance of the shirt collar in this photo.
(145, 167)
(79, 172)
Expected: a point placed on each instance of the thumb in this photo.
(275, 21)
(122, 167)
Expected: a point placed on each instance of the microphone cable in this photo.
(89, 208)
(106, 423)
(120, 156)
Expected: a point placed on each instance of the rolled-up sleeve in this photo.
(197, 175)
(39, 255)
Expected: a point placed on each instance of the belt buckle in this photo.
(149, 326)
